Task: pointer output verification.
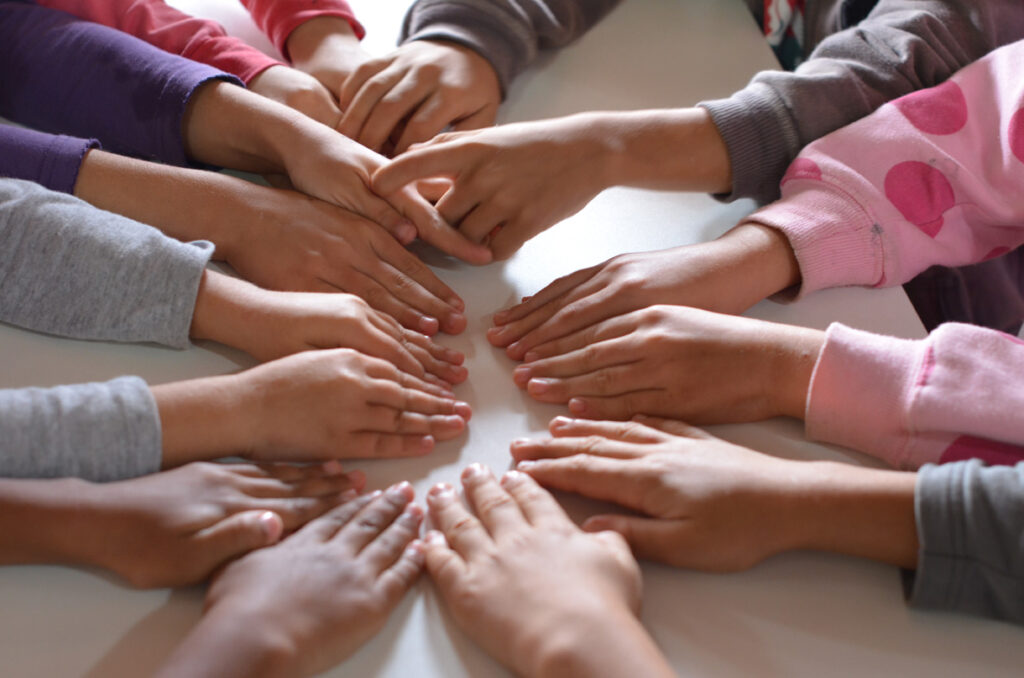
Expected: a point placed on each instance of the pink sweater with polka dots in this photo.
(936, 177)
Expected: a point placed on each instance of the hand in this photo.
(510, 182)
(328, 49)
(417, 91)
(270, 325)
(298, 90)
(176, 527)
(307, 603)
(527, 584)
(728, 275)
(711, 505)
(342, 404)
(678, 362)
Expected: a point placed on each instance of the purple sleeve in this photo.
(64, 75)
(48, 159)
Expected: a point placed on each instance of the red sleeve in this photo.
(278, 18)
(174, 31)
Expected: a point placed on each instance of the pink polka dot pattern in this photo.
(1016, 134)
(921, 193)
(938, 110)
(802, 168)
(989, 451)
(996, 252)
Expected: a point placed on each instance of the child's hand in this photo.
(521, 579)
(676, 361)
(522, 177)
(270, 325)
(326, 48)
(705, 503)
(298, 90)
(342, 404)
(298, 608)
(728, 275)
(176, 527)
(417, 91)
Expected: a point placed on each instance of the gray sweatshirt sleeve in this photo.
(970, 522)
(902, 46)
(508, 33)
(99, 432)
(68, 268)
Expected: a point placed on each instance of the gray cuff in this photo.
(99, 431)
(761, 141)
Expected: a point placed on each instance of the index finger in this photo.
(433, 229)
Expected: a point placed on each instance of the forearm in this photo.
(855, 511)
(325, 45)
(669, 149)
(39, 521)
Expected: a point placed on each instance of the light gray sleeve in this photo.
(902, 46)
(100, 432)
(508, 33)
(970, 523)
(68, 268)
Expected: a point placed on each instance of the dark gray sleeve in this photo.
(99, 432)
(68, 268)
(508, 33)
(970, 522)
(902, 46)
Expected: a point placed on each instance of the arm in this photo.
(279, 18)
(48, 159)
(173, 31)
(933, 190)
(901, 47)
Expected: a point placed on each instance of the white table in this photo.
(798, 614)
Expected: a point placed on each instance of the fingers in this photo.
(383, 370)
(325, 527)
(497, 510)
(396, 581)
(371, 522)
(362, 92)
(537, 504)
(295, 512)
(649, 538)
(393, 421)
(308, 485)
(610, 359)
(555, 448)
(398, 104)
(413, 304)
(435, 114)
(385, 550)
(238, 534)
(639, 430)
(396, 396)
(419, 163)
(579, 309)
(605, 330)
(461, 529)
(542, 298)
(598, 477)
(673, 427)
(433, 228)
(625, 405)
(446, 567)
(606, 382)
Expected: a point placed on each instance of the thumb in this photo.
(649, 538)
(240, 533)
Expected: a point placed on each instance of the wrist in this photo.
(754, 262)
(228, 311)
(313, 38)
(794, 353)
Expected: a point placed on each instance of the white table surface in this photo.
(800, 614)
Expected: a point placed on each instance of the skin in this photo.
(700, 502)
(278, 239)
(417, 91)
(298, 89)
(228, 126)
(312, 406)
(327, 49)
(191, 520)
(270, 325)
(677, 361)
(727, 275)
(300, 607)
(534, 591)
(514, 181)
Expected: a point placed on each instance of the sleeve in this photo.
(64, 75)
(174, 31)
(926, 180)
(100, 432)
(902, 46)
(68, 268)
(48, 159)
(971, 558)
(508, 33)
(278, 18)
(954, 395)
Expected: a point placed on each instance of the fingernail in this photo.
(453, 356)
(577, 406)
(457, 374)
(474, 472)
(455, 320)
(525, 465)
(357, 478)
(499, 317)
(348, 495)
(428, 325)
(464, 410)
(442, 493)
(332, 467)
(496, 333)
(399, 490)
(512, 477)
(406, 232)
(434, 538)
(414, 551)
(426, 444)
(597, 524)
(531, 356)
(411, 515)
(512, 348)
(457, 303)
(521, 375)
(538, 386)
(520, 441)
(271, 525)
(561, 422)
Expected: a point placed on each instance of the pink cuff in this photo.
(861, 391)
(278, 18)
